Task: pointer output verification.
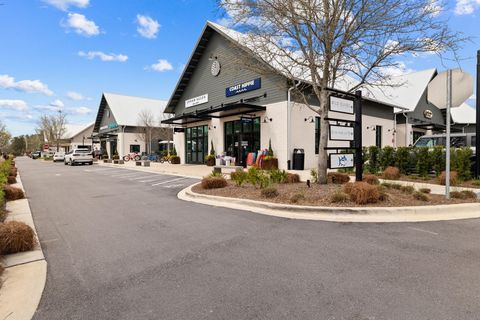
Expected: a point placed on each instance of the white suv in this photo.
(77, 156)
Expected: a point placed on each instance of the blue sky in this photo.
(65, 53)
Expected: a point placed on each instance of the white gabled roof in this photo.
(464, 114)
(406, 90)
(71, 130)
(126, 109)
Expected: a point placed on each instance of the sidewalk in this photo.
(25, 272)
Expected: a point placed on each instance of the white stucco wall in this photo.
(125, 140)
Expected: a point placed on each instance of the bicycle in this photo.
(165, 159)
(131, 156)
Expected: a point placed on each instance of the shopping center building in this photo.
(120, 125)
(218, 100)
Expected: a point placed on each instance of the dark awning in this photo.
(223, 110)
(231, 109)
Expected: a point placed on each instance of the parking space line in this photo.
(168, 181)
(125, 175)
(422, 230)
(138, 178)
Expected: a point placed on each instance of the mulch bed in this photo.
(319, 195)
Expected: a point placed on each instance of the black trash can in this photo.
(298, 159)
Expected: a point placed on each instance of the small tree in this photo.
(53, 128)
(212, 149)
(5, 137)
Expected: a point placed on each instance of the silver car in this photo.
(78, 156)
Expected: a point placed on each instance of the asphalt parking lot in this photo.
(120, 245)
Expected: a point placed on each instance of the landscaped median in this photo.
(279, 194)
(23, 265)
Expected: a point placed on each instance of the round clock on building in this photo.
(215, 68)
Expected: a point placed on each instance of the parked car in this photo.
(457, 140)
(78, 156)
(59, 156)
(36, 154)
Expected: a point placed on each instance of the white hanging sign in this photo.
(341, 105)
(196, 100)
(341, 133)
(341, 160)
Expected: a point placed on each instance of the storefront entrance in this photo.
(196, 139)
(113, 147)
(241, 138)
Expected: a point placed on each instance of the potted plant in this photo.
(116, 158)
(174, 159)
(210, 158)
(106, 159)
(270, 162)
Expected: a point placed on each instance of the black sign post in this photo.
(477, 129)
(358, 136)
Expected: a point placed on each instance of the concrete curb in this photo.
(25, 273)
(340, 214)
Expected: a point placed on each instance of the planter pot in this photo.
(270, 164)
(119, 161)
(146, 163)
(210, 162)
(218, 162)
(175, 160)
(107, 161)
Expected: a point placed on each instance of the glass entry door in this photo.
(241, 138)
(196, 139)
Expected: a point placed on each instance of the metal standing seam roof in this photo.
(464, 114)
(126, 109)
(72, 130)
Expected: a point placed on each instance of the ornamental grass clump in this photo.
(13, 193)
(465, 194)
(361, 192)
(213, 182)
(391, 173)
(338, 196)
(425, 190)
(420, 196)
(297, 197)
(371, 179)
(16, 237)
(11, 180)
(292, 178)
(269, 193)
(337, 177)
(407, 189)
(453, 178)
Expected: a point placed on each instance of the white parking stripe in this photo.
(423, 230)
(140, 178)
(125, 175)
(168, 181)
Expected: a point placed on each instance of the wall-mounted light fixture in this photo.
(392, 131)
(372, 128)
(212, 57)
(309, 119)
(267, 119)
(210, 127)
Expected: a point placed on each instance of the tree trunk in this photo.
(323, 143)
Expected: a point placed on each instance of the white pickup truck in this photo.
(78, 156)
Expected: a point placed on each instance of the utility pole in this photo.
(449, 107)
(477, 124)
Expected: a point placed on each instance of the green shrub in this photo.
(476, 182)
(314, 175)
(213, 182)
(383, 195)
(437, 159)
(407, 189)
(239, 177)
(402, 161)
(425, 190)
(278, 176)
(373, 161)
(420, 196)
(423, 161)
(264, 180)
(269, 193)
(386, 157)
(463, 163)
(253, 176)
(390, 185)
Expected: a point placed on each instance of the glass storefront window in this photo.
(196, 144)
(241, 138)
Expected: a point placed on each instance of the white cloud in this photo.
(81, 25)
(81, 110)
(47, 107)
(434, 7)
(161, 66)
(57, 103)
(31, 86)
(16, 104)
(465, 7)
(65, 4)
(147, 27)
(399, 68)
(75, 96)
(103, 56)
